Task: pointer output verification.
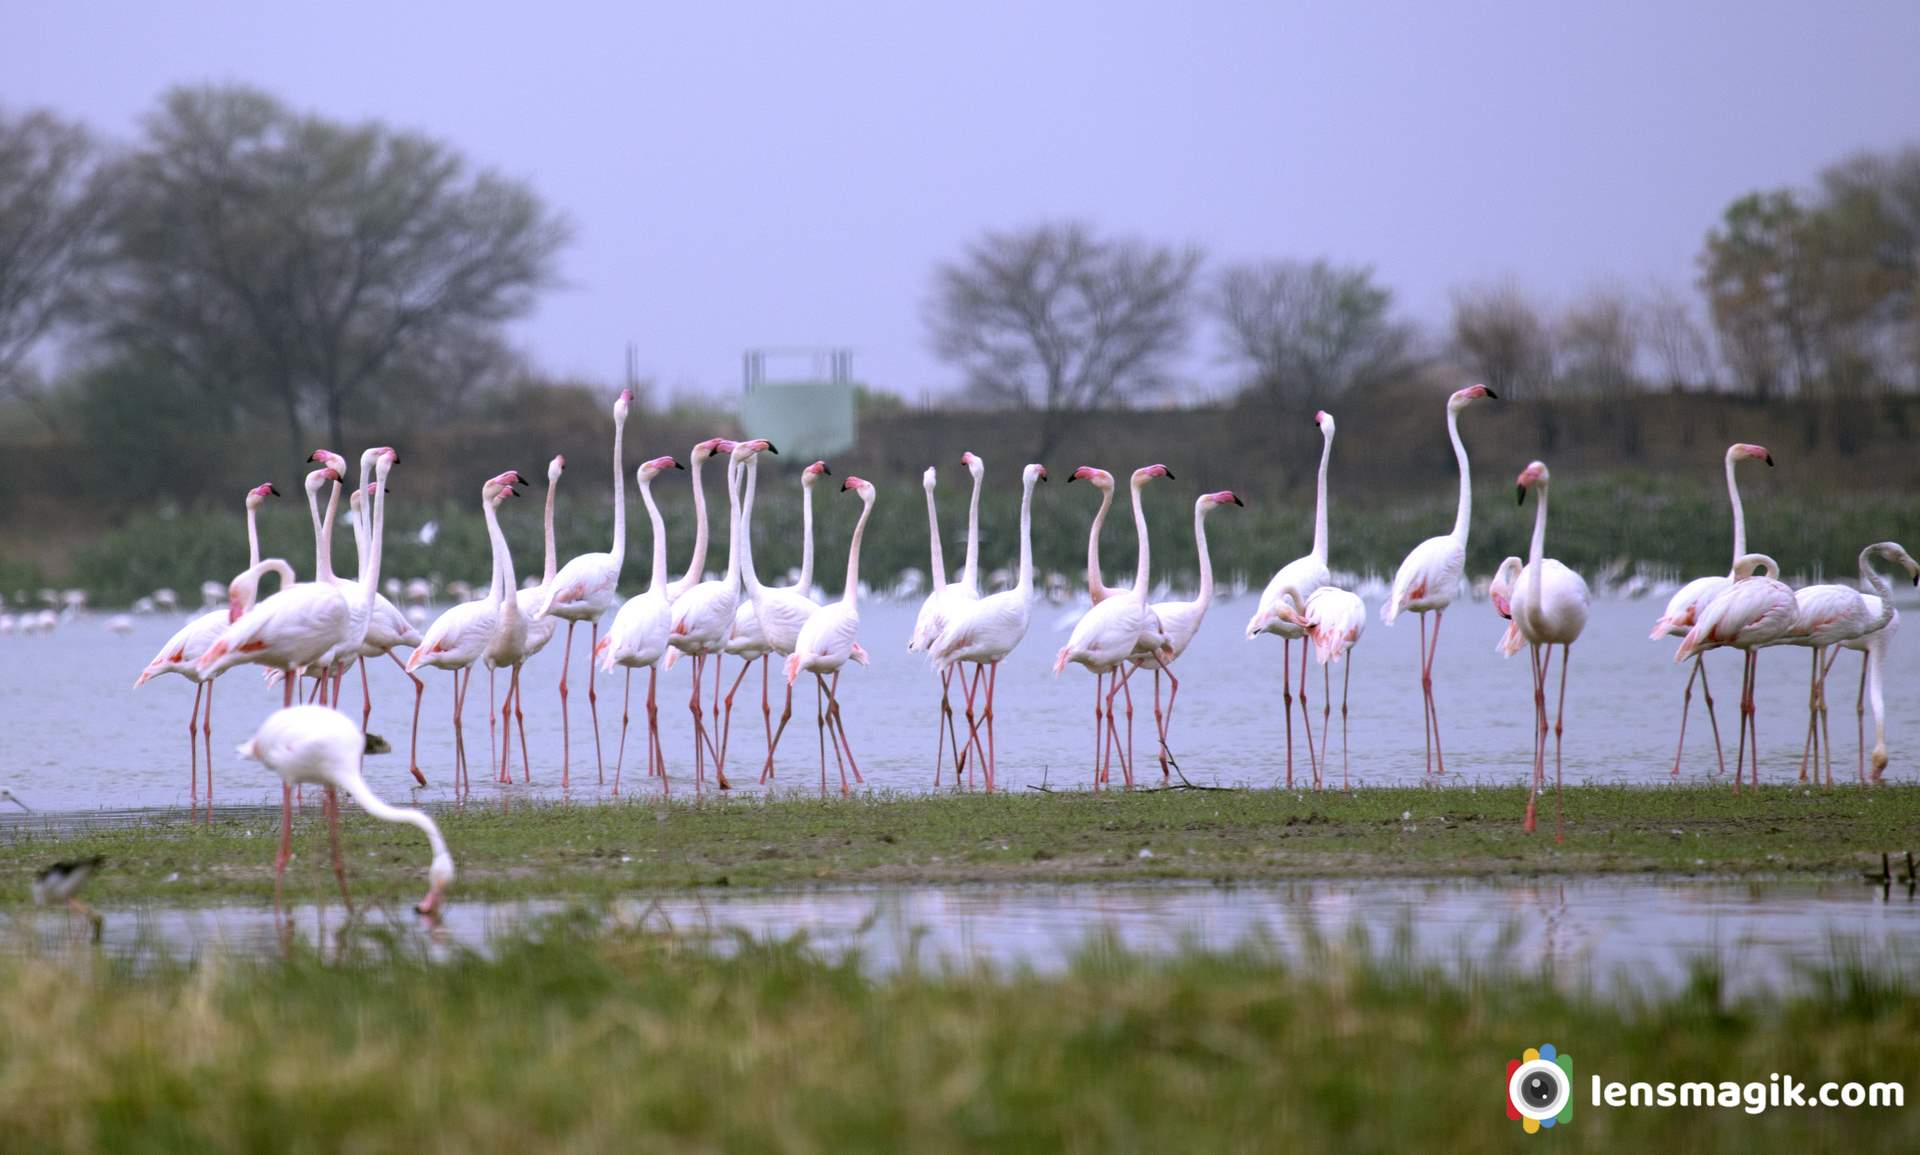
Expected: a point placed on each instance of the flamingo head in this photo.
(386, 453)
(1147, 473)
(1224, 497)
(708, 448)
(818, 469)
(927, 479)
(328, 459)
(1894, 552)
(621, 405)
(1033, 473)
(1500, 589)
(1749, 564)
(439, 878)
(975, 466)
(1323, 420)
(745, 451)
(859, 485)
(500, 487)
(260, 493)
(1098, 478)
(1463, 397)
(1742, 451)
(1534, 474)
(320, 477)
(652, 469)
(556, 467)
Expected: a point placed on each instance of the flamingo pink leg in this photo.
(993, 760)
(1859, 719)
(1306, 716)
(566, 732)
(413, 747)
(593, 702)
(333, 837)
(947, 734)
(658, 756)
(1099, 735)
(620, 759)
(193, 745)
(366, 696)
(1426, 680)
(520, 720)
(766, 706)
(1346, 684)
(720, 756)
(206, 730)
(286, 841)
(1286, 681)
(726, 724)
(786, 712)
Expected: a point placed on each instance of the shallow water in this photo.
(76, 736)
(1603, 933)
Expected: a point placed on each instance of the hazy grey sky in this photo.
(790, 173)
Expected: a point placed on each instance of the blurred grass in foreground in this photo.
(573, 1038)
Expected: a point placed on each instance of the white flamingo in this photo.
(945, 598)
(1301, 576)
(507, 649)
(1754, 612)
(316, 746)
(387, 629)
(1180, 621)
(1107, 636)
(1832, 615)
(637, 639)
(828, 640)
(459, 637)
(1683, 608)
(363, 589)
(1549, 606)
(986, 631)
(1429, 579)
(583, 591)
(181, 655)
(1333, 620)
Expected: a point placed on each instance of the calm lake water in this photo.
(76, 736)
(1602, 933)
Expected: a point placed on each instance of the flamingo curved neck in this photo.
(937, 557)
(502, 591)
(1096, 586)
(1464, 514)
(851, 594)
(619, 550)
(1140, 527)
(1026, 539)
(553, 559)
(1739, 514)
(970, 571)
(747, 573)
(659, 579)
(1320, 501)
(1881, 586)
(732, 580)
(356, 787)
(244, 590)
(1206, 561)
(253, 536)
(806, 539)
(697, 564)
(1535, 566)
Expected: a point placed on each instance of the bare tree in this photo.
(1056, 321)
(52, 199)
(1306, 332)
(263, 247)
(1675, 340)
(1599, 344)
(1499, 333)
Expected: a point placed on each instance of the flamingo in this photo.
(830, 637)
(769, 620)
(1684, 607)
(583, 591)
(1111, 631)
(1429, 578)
(703, 615)
(1549, 606)
(637, 639)
(364, 588)
(1873, 652)
(313, 745)
(1302, 576)
(1500, 593)
(181, 655)
(1180, 621)
(1333, 620)
(459, 637)
(1829, 615)
(507, 648)
(986, 631)
(697, 561)
(387, 629)
(1754, 612)
(945, 599)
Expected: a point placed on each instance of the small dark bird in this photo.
(7, 795)
(63, 881)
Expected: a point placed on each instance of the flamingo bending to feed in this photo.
(1830, 615)
(1302, 576)
(1333, 620)
(946, 598)
(637, 639)
(1107, 636)
(768, 621)
(703, 617)
(1429, 579)
(986, 631)
(1549, 606)
(459, 637)
(1683, 608)
(316, 746)
(1180, 621)
(181, 655)
(1754, 612)
(583, 591)
(828, 640)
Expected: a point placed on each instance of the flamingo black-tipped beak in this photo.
(1170, 476)
(519, 478)
(1769, 460)
(1491, 395)
(772, 450)
(1238, 502)
(677, 465)
(1520, 498)
(272, 492)
(312, 457)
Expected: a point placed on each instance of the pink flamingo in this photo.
(459, 637)
(1302, 576)
(1429, 578)
(946, 598)
(1109, 633)
(986, 631)
(583, 591)
(507, 649)
(830, 637)
(1333, 619)
(361, 591)
(1754, 612)
(1549, 606)
(1683, 608)
(637, 639)
(181, 655)
(540, 631)
(1830, 615)
(1180, 621)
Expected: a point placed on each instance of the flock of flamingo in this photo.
(318, 629)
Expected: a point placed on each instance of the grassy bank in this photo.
(1224, 835)
(586, 1041)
